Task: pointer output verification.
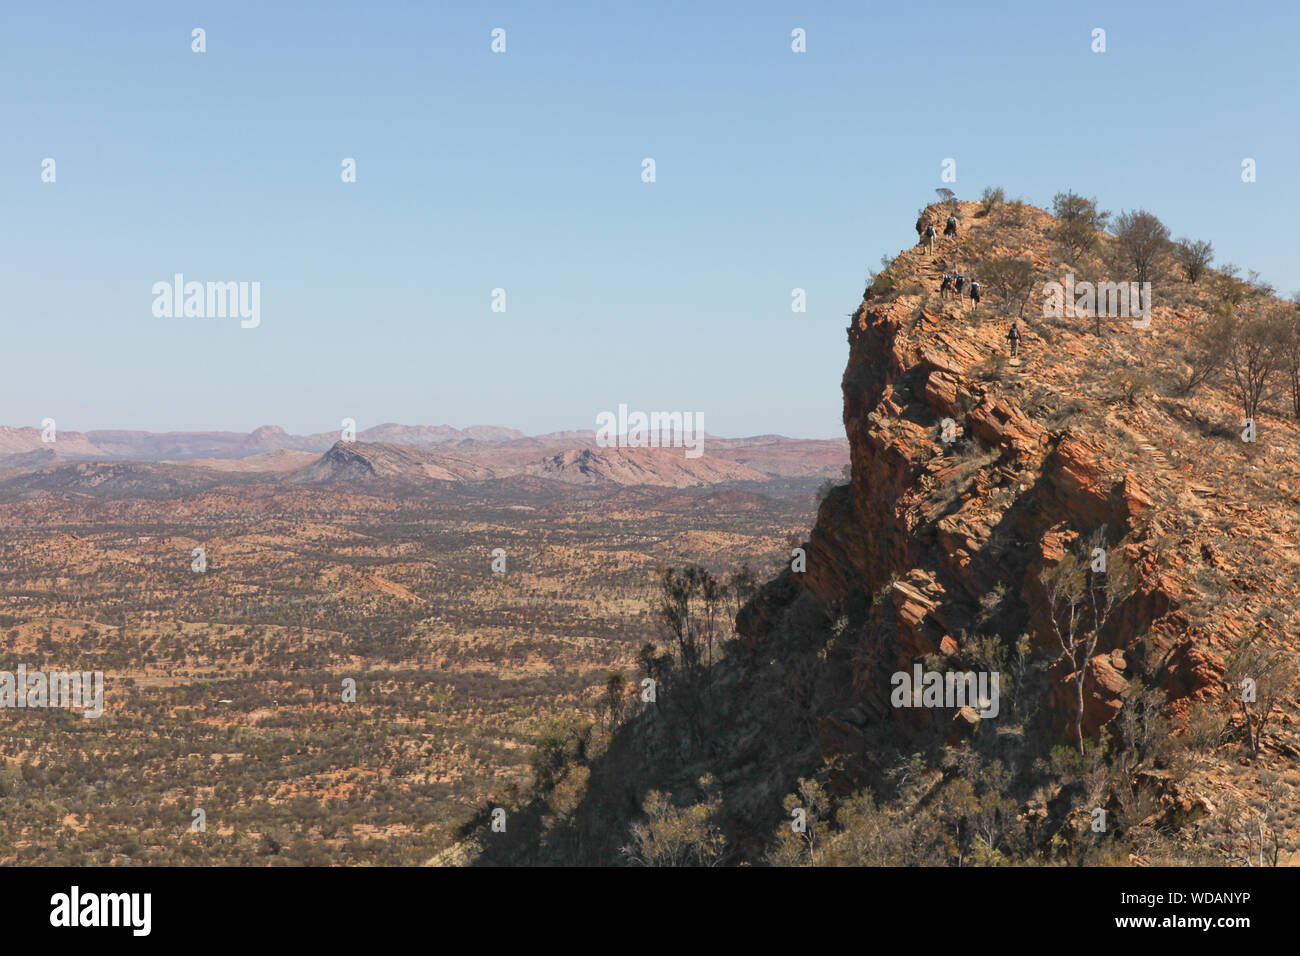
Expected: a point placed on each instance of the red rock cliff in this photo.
(1045, 450)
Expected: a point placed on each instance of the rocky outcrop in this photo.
(930, 524)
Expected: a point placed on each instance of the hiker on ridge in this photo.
(1014, 338)
(929, 239)
(974, 294)
(950, 229)
(945, 287)
(958, 283)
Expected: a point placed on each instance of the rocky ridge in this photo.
(1045, 450)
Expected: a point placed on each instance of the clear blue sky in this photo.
(522, 170)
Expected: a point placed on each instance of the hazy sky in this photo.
(523, 171)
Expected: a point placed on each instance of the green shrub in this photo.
(992, 197)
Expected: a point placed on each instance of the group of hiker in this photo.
(956, 282)
(929, 234)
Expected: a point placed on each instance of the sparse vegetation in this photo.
(1254, 350)
(1011, 278)
(1194, 257)
(1141, 241)
(224, 691)
(1204, 350)
(991, 198)
(1260, 676)
(1132, 385)
(1078, 222)
(1083, 589)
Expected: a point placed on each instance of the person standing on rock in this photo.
(959, 283)
(974, 294)
(945, 287)
(950, 229)
(929, 240)
(1014, 338)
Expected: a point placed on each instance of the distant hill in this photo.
(113, 479)
(644, 466)
(359, 461)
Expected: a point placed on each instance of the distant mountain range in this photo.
(123, 445)
(140, 462)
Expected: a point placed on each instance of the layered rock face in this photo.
(1038, 458)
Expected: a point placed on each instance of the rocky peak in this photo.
(973, 473)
